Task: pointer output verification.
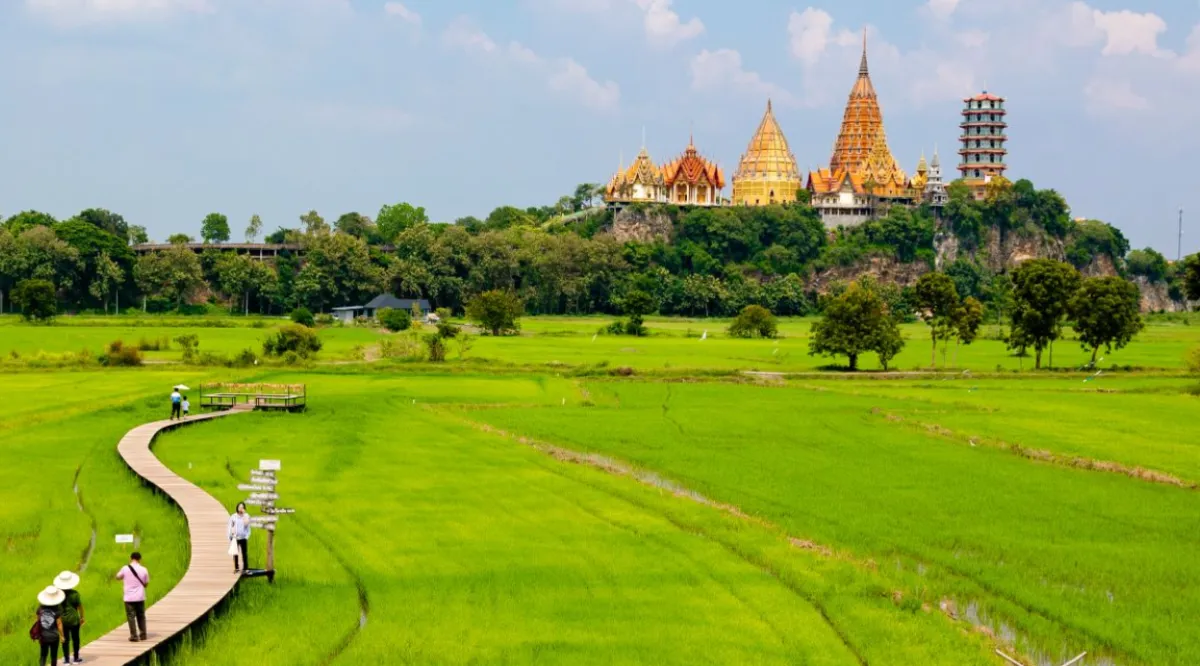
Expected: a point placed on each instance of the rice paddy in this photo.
(509, 509)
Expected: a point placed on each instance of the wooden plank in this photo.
(209, 577)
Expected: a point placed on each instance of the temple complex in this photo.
(692, 180)
(935, 191)
(767, 173)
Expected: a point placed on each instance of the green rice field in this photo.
(524, 506)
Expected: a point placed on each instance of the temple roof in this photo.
(984, 96)
(768, 156)
(882, 170)
(824, 181)
(861, 121)
(642, 171)
(693, 169)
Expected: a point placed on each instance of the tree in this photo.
(314, 224)
(215, 228)
(235, 274)
(254, 229)
(967, 320)
(752, 322)
(1148, 263)
(1000, 293)
(354, 224)
(636, 305)
(1191, 277)
(937, 303)
(1042, 290)
(394, 320)
(182, 273)
(179, 239)
(22, 222)
(496, 311)
(137, 235)
(855, 322)
(108, 277)
(303, 316)
(106, 220)
(293, 338)
(1107, 312)
(394, 219)
(37, 299)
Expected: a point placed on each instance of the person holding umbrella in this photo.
(47, 625)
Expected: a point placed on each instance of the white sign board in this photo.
(248, 487)
(256, 502)
(264, 496)
(279, 511)
(259, 521)
(272, 465)
(124, 538)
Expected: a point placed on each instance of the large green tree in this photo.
(393, 219)
(856, 322)
(106, 281)
(1107, 313)
(937, 305)
(22, 222)
(1191, 277)
(1042, 291)
(37, 299)
(496, 311)
(215, 228)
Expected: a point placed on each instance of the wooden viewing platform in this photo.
(290, 397)
(208, 579)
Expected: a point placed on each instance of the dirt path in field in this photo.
(86, 558)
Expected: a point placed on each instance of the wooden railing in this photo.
(292, 397)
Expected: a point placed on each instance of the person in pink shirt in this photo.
(135, 577)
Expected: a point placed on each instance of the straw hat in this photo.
(66, 580)
(51, 596)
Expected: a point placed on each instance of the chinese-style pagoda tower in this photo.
(983, 137)
(861, 123)
(767, 173)
(692, 180)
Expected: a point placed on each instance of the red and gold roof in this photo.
(693, 169)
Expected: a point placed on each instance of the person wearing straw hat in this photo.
(72, 614)
(48, 624)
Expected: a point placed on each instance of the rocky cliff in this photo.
(1156, 298)
(885, 270)
(642, 224)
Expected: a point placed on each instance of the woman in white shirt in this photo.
(239, 530)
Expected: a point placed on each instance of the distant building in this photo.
(983, 141)
(767, 173)
(347, 314)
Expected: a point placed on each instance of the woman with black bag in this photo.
(47, 627)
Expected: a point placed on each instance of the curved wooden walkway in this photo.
(208, 578)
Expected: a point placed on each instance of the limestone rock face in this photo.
(885, 270)
(1155, 297)
(1006, 251)
(643, 225)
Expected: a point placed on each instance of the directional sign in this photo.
(264, 496)
(272, 465)
(124, 538)
(252, 487)
(260, 521)
(259, 474)
(277, 511)
(256, 502)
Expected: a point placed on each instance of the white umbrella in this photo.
(181, 387)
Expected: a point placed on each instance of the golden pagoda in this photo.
(642, 181)
(881, 175)
(921, 178)
(862, 121)
(767, 173)
(692, 180)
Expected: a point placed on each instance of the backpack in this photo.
(47, 627)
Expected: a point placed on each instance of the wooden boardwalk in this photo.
(209, 577)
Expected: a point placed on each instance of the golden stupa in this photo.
(861, 123)
(881, 175)
(767, 173)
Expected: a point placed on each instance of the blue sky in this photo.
(165, 110)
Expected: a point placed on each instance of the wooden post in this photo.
(270, 550)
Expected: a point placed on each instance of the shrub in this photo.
(436, 347)
(615, 328)
(1193, 360)
(295, 339)
(446, 330)
(754, 321)
(496, 311)
(303, 316)
(444, 313)
(37, 299)
(245, 358)
(326, 320)
(120, 355)
(189, 343)
(155, 344)
(394, 320)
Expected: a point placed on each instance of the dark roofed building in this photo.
(383, 301)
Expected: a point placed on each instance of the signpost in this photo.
(124, 538)
(262, 489)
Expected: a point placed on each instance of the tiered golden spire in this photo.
(861, 122)
(881, 172)
(767, 172)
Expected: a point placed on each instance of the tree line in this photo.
(555, 259)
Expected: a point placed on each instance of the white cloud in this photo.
(1190, 60)
(80, 12)
(1123, 32)
(402, 12)
(663, 25)
(942, 9)
(561, 75)
(1108, 94)
(810, 34)
(722, 71)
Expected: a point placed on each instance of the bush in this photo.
(37, 299)
(120, 355)
(303, 316)
(245, 358)
(436, 347)
(189, 343)
(294, 339)
(444, 313)
(394, 320)
(496, 311)
(1193, 360)
(446, 330)
(615, 328)
(754, 321)
(156, 344)
(326, 320)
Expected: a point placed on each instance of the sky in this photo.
(166, 110)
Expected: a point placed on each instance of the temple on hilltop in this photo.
(688, 180)
(983, 138)
(767, 173)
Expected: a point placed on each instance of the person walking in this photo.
(136, 578)
(72, 614)
(187, 406)
(239, 530)
(176, 403)
(48, 624)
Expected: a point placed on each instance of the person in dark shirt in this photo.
(49, 622)
(72, 614)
